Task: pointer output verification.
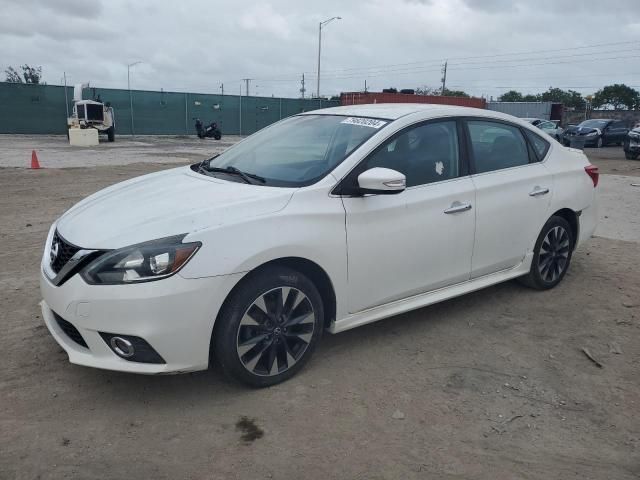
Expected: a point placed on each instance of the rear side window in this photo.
(496, 146)
(539, 144)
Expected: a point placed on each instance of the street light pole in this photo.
(130, 95)
(322, 24)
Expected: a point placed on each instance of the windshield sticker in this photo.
(365, 122)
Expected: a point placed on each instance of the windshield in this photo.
(594, 123)
(295, 152)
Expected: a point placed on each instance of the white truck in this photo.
(91, 114)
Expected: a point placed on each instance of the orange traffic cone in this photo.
(34, 160)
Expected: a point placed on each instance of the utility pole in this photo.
(365, 86)
(222, 89)
(444, 78)
(246, 82)
(322, 24)
(66, 99)
(302, 89)
(130, 94)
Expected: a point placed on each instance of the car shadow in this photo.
(333, 354)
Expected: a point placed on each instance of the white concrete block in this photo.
(87, 137)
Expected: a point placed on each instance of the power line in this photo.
(435, 62)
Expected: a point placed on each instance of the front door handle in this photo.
(457, 207)
(538, 191)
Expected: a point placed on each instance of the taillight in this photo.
(592, 171)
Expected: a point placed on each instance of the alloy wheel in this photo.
(554, 254)
(275, 331)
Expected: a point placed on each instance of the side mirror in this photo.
(381, 181)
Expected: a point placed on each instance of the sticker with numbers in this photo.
(365, 122)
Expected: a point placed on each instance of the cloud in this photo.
(197, 45)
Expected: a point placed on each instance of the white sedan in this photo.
(323, 221)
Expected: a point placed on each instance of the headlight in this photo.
(634, 135)
(143, 262)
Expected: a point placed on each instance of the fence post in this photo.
(186, 114)
(240, 109)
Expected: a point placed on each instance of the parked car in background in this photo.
(547, 126)
(632, 144)
(326, 220)
(597, 132)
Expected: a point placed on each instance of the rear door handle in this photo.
(457, 207)
(538, 191)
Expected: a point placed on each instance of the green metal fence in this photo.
(40, 109)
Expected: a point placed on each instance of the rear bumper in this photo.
(588, 221)
(175, 316)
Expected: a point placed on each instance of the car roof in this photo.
(393, 111)
(598, 119)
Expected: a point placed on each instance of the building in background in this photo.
(542, 110)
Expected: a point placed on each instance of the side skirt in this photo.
(429, 298)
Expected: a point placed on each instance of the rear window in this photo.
(539, 144)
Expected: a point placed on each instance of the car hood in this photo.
(578, 130)
(163, 204)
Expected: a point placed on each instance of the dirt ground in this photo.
(492, 385)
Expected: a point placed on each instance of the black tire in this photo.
(631, 156)
(217, 135)
(240, 337)
(111, 134)
(599, 142)
(551, 259)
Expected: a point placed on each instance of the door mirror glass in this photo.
(381, 181)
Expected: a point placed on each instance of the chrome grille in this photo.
(61, 252)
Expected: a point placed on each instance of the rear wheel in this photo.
(552, 255)
(269, 327)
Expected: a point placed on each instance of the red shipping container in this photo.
(360, 98)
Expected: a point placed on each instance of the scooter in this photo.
(210, 130)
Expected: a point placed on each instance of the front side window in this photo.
(425, 154)
(296, 152)
(496, 146)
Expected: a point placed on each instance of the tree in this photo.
(455, 93)
(511, 96)
(437, 92)
(427, 90)
(570, 98)
(617, 96)
(29, 73)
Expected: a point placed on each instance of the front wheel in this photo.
(217, 135)
(599, 142)
(552, 255)
(631, 156)
(268, 327)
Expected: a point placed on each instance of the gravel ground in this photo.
(54, 151)
(491, 385)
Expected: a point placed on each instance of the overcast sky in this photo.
(194, 45)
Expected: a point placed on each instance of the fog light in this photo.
(122, 347)
(131, 348)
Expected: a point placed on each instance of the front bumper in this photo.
(174, 315)
(589, 141)
(632, 146)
